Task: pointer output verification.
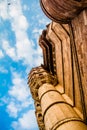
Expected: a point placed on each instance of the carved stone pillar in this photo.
(51, 108)
(57, 113)
(37, 77)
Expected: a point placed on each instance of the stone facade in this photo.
(59, 86)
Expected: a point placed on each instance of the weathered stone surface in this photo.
(59, 86)
(39, 76)
(62, 11)
(65, 62)
(79, 28)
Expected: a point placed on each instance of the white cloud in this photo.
(1, 54)
(3, 70)
(14, 10)
(25, 7)
(39, 59)
(10, 51)
(4, 100)
(36, 33)
(19, 90)
(44, 21)
(19, 23)
(26, 122)
(25, 51)
(12, 109)
(36, 30)
(3, 10)
(19, 96)
(23, 48)
(18, 102)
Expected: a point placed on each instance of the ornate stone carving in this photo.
(38, 77)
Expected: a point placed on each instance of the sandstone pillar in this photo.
(57, 114)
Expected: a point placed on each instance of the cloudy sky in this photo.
(21, 23)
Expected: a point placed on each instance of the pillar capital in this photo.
(37, 77)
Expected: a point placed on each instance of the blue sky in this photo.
(21, 23)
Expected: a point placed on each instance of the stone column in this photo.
(56, 112)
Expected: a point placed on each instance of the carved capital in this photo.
(37, 77)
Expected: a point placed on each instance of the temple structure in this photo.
(59, 85)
